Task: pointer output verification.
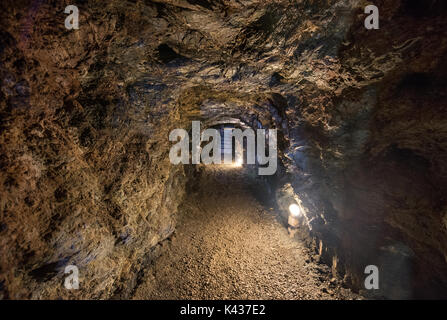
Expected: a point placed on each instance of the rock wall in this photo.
(86, 179)
(367, 155)
(85, 115)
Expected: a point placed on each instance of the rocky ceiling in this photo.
(85, 115)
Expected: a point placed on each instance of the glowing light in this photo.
(295, 210)
(238, 163)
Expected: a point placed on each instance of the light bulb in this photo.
(295, 210)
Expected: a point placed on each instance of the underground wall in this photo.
(85, 117)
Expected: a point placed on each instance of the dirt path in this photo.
(228, 246)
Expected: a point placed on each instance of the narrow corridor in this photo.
(227, 245)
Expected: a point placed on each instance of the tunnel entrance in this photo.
(242, 145)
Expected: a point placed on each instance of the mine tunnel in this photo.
(353, 208)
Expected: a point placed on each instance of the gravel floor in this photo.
(228, 246)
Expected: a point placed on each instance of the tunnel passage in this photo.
(85, 116)
(229, 245)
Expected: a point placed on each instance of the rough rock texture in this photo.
(85, 115)
(372, 152)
